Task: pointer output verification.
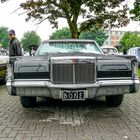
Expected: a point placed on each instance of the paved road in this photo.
(56, 120)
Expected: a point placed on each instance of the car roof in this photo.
(70, 40)
(108, 47)
(134, 48)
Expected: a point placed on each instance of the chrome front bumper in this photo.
(47, 89)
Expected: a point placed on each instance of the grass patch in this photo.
(139, 72)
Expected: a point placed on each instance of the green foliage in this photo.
(101, 13)
(30, 38)
(4, 37)
(136, 11)
(95, 34)
(139, 72)
(63, 33)
(129, 40)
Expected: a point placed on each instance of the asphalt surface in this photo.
(57, 120)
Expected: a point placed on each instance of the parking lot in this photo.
(57, 120)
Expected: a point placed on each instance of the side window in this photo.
(130, 52)
(139, 52)
(133, 52)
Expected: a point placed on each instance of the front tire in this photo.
(114, 100)
(27, 101)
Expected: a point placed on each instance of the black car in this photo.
(72, 70)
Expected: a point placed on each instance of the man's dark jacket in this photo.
(15, 48)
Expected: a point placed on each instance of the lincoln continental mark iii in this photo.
(72, 70)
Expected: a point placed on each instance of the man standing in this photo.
(15, 47)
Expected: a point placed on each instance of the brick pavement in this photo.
(56, 120)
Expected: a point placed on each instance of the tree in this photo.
(129, 40)
(4, 37)
(95, 34)
(30, 38)
(136, 11)
(63, 33)
(102, 13)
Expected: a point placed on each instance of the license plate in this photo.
(73, 94)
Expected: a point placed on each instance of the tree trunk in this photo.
(72, 16)
(74, 30)
(72, 22)
(74, 34)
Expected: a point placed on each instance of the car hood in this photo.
(48, 57)
(33, 64)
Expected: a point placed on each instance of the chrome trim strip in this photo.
(73, 73)
(48, 84)
(115, 78)
(95, 72)
(72, 57)
(31, 79)
(51, 71)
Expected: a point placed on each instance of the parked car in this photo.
(109, 50)
(72, 70)
(135, 51)
(3, 64)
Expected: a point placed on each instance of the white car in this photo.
(3, 64)
(110, 50)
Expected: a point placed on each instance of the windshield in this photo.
(3, 53)
(68, 47)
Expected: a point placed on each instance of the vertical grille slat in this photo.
(73, 73)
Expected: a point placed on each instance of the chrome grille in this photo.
(62, 73)
(73, 73)
(85, 72)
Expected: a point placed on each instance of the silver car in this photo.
(136, 52)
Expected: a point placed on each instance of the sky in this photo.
(44, 30)
(18, 23)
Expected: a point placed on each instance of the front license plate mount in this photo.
(73, 95)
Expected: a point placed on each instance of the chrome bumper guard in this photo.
(39, 83)
(45, 88)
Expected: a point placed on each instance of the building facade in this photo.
(114, 37)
